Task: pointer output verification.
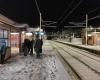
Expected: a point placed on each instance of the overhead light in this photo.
(23, 32)
(29, 34)
(14, 33)
(41, 33)
(89, 35)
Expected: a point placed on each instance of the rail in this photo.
(81, 47)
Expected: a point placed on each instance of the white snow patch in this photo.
(30, 68)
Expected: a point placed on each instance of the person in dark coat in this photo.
(3, 53)
(31, 46)
(41, 46)
(26, 46)
(38, 46)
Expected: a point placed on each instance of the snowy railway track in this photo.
(89, 60)
(85, 65)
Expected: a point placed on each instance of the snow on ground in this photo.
(30, 68)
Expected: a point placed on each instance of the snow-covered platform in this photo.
(94, 49)
(48, 67)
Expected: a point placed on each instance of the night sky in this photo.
(25, 11)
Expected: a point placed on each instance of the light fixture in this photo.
(28, 34)
(14, 33)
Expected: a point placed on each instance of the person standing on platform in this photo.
(41, 45)
(31, 46)
(38, 46)
(26, 46)
(3, 53)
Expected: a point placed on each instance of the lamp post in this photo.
(86, 27)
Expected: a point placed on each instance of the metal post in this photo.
(40, 26)
(86, 27)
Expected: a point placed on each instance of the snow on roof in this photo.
(6, 20)
(22, 25)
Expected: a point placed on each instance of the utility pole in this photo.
(86, 27)
(40, 18)
(40, 26)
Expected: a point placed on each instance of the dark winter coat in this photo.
(3, 50)
(38, 45)
(27, 43)
(32, 43)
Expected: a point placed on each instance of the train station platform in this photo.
(91, 48)
(48, 67)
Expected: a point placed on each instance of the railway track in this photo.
(86, 66)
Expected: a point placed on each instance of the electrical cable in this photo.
(37, 7)
(98, 16)
(72, 11)
(66, 9)
(91, 11)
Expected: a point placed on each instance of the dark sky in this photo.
(22, 11)
(25, 11)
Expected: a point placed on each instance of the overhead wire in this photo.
(98, 16)
(50, 23)
(72, 11)
(95, 17)
(91, 11)
(66, 10)
(37, 7)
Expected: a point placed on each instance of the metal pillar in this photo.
(40, 26)
(86, 27)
